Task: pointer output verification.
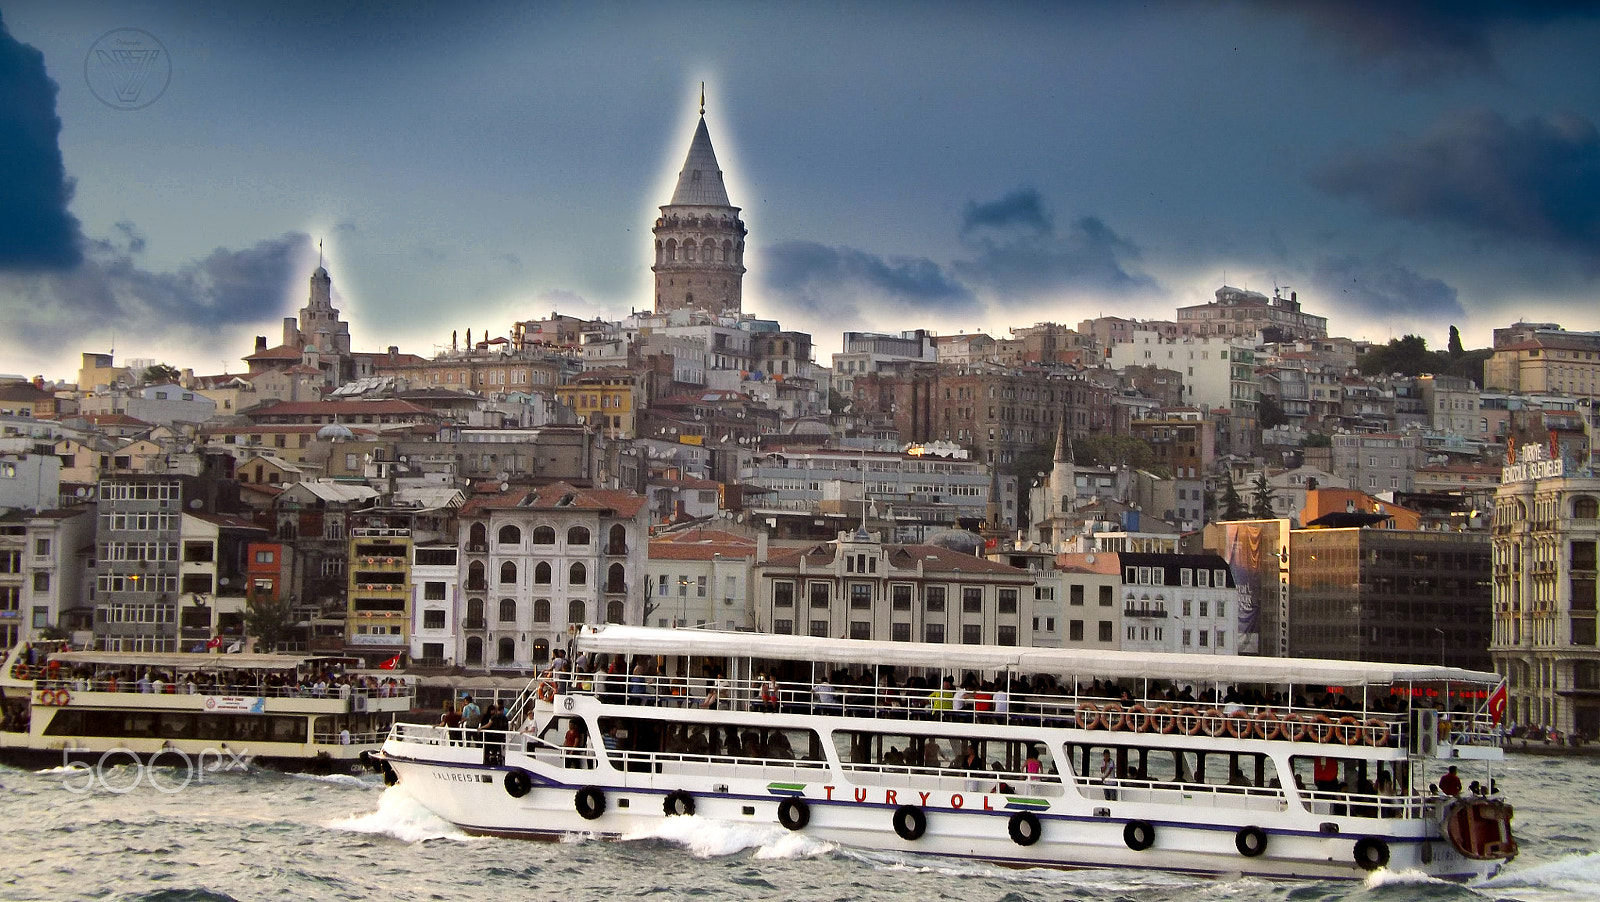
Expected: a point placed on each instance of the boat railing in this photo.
(125, 687)
(371, 737)
(955, 779)
(1362, 804)
(1342, 726)
(727, 766)
(1211, 795)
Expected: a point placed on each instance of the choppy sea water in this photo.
(262, 835)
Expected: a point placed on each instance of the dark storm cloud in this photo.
(826, 280)
(1019, 255)
(1426, 39)
(1537, 180)
(1381, 288)
(36, 230)
(109, 290)
(1020, 209)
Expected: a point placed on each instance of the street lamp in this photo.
(1441, 645)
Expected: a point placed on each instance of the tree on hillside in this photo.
(161, 374)
(269, 620)
(1271, 413)
(1454, 348)
(1261, 499)
(1407, 355)
(1232, 504)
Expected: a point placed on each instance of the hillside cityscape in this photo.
(1237, 480)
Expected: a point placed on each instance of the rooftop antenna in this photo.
(702, 98)
(319, 253)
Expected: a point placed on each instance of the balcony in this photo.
(1144, 612)
(475, 623)
(380, 587)
(617, 550)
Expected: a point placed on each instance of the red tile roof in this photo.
(557, 496)
(281, 352)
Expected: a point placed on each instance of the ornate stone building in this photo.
(700, 238)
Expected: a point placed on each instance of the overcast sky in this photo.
(1403, 167)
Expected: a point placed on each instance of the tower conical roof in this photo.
(700, 182)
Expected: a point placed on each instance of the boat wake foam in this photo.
(708, 838)
(1578, 873)
(401, 817)
(1385, 877)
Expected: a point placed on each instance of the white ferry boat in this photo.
(1208, 765)
(269, 709)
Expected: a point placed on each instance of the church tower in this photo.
(700, 237)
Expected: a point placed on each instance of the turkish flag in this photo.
(215, 643)
(1497, 704)
(390, 664)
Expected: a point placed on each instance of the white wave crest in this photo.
(1407, 877)
(340, 780)
(402, 817)
(59, 771)
(710, 838)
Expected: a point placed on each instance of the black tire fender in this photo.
(1250, 841)
(1371, 853)
(517, 783)
(590, 802)
(678, 803)
(1024, 828)
(1139, 835)
(794, 813)
(910, 823)
(389, 776)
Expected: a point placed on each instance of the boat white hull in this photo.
(1075, 832)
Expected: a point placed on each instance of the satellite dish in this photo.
(504, 486)
(1088, 559)
(82, 492)
(196, 504)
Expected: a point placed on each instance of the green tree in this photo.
(1103, 450)
(1232, 504)
(1271, 413)
(1407, 355)
(1454, 348)
(1261, 499)
(269, 620)
(1317, 440)
(161, 373)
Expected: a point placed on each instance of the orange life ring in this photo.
(1212, 723)
(1293, 728)
(1138, 719)
(1238, 725)
(46, 697)
(1376, 732)
(1320, 728)
(63, 698)
(1162, 721)
(1111, 715)
(1268, 726)
(546, 692)
(1189, 721)
(1088, 716)
(1349, 730)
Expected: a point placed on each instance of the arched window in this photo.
(614, 612)
(508, 610)
(508, 573)
(578, 575)
(727, 250)
(544, 535)
(688, 251)
(478, 538)
(575, 611)
(541, 611)
(658, 252)
(1585, 508)
(507, 649)
(475, 579)
(672, 250)
(474, 613)
(618, 543)
(616, 581)
(578, 535)
(541, 574)
(474, 650)
(541, 650)
(510, 535)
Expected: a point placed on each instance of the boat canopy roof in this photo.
(189, 661)
(1081, 664)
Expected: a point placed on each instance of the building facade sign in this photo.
(1532, 462)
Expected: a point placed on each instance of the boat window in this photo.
(892, 751)
(1170, 767)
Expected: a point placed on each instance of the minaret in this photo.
(1063, 474)
(699, 236)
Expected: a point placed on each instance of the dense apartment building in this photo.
(1165, 602)
(1546, 531)
(861, 587)
(1240, 313)
(42, 571)
(1377, 462)
(1545, 360)
(538, 563)
(996, 412)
